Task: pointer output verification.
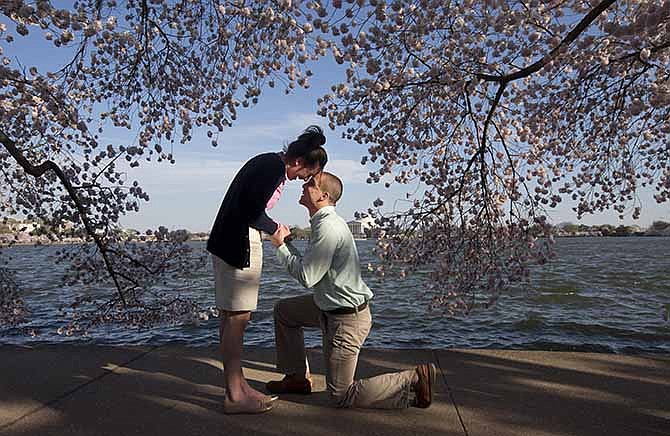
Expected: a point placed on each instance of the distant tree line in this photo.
(656, 228)
(298, 233)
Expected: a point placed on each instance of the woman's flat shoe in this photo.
(245, 407)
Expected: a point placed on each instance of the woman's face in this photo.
(298, 170)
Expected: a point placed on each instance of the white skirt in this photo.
(237, 289)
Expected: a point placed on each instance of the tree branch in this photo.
(569, 39)
(37, 172)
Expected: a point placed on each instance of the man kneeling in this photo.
(340, 307)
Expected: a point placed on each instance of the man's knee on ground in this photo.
(337, 397)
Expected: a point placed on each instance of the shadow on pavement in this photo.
(546, 393)
(176, 390)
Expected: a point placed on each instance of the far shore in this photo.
(4, 244)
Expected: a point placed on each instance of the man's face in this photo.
(311, 192)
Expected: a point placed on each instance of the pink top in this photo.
(275, 197)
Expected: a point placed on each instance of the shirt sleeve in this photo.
(311, 268)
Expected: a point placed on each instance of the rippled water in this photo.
(599, 294)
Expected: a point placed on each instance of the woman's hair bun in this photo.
(313, 135)
(308, 147)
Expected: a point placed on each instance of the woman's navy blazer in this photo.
(244, 207)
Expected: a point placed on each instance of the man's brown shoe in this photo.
(424, 387)
(290, 384)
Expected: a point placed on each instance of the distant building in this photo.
(362, 228)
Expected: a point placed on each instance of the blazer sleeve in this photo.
(263, 181)
(264, 223)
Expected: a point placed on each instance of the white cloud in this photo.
(349, 171)
(185, 176)
(267, 135)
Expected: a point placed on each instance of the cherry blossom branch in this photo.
(569, 39)
(38, 171)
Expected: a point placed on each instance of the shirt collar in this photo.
(322, 213)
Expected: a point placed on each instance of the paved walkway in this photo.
(87, 390)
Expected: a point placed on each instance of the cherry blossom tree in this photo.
(499, 110)
(158, 68)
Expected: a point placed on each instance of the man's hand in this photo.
(277, 238)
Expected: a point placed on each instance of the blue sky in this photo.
(188, 193)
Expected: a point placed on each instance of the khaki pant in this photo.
(343, 337)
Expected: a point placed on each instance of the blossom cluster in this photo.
(144, 269)
(13, 310)
(497, 111)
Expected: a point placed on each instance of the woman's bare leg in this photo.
(233, 326)
(222, 327)
(231, 343)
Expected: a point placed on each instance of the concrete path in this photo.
(90, 390)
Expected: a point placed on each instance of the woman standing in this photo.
(237, 252)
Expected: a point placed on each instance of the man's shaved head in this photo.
(331, 184)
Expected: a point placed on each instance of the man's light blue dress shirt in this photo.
(330, 265)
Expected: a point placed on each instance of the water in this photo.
(599, 294)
